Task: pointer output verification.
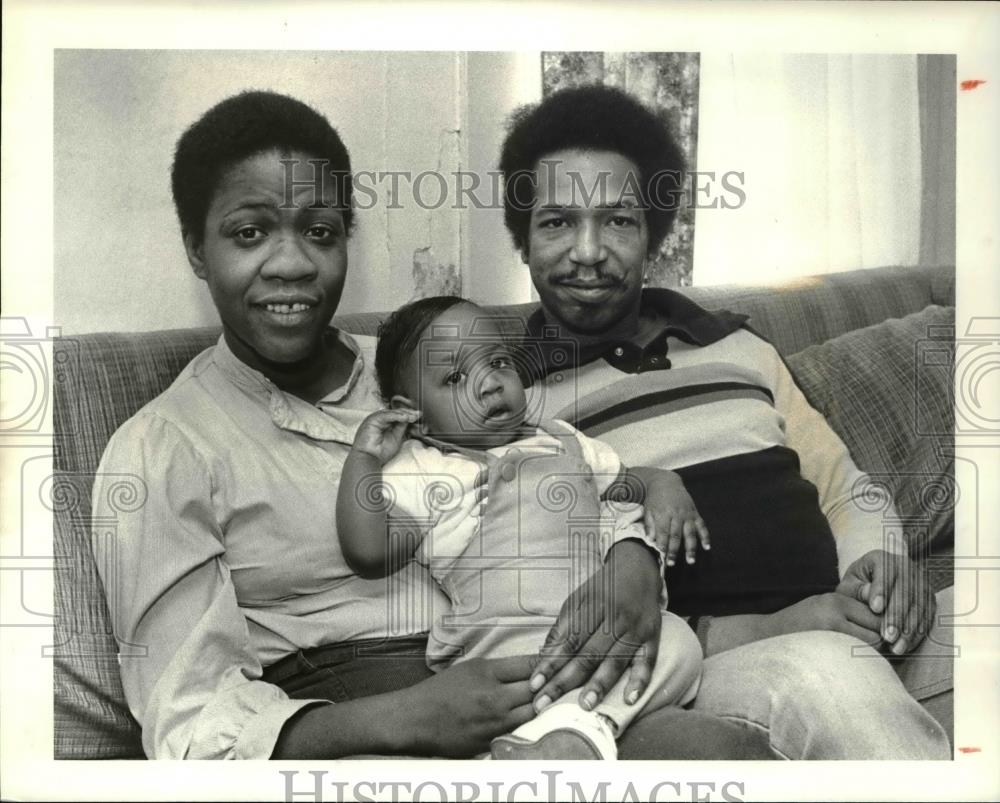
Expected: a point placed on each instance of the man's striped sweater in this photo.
(707, 397)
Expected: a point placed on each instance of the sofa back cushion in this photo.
(101, 381)
(887, 391)
(794, 314)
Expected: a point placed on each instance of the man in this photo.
(800, 579)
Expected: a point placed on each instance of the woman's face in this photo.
(274, 255)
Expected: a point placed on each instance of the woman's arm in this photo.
(190, 674)
(452, 714)
(369, 547)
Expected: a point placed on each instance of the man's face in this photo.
(587, 240)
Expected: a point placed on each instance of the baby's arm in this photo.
(671, 514)
(361, 507)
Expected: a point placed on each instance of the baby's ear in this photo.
(400, 402)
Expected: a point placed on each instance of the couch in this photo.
(853, 341)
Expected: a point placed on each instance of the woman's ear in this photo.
(194, 248)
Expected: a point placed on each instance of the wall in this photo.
(119, 261)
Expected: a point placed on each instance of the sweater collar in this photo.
(679, 315)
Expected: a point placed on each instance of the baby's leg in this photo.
(564, 730)
(674, 681)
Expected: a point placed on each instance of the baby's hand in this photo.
(382, 433)
(672, 517)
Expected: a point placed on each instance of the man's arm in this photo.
(609, 624)
(855, 508)
(830, 611)
(846, 500)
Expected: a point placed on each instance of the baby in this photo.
(457, 418)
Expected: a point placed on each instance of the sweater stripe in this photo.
(654, 405)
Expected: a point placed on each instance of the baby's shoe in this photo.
(561, 732)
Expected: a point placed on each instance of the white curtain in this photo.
(829, 146)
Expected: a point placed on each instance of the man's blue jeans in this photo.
(826, 695)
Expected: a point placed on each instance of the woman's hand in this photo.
(672, 517)
(382, 433)
(457, 712)
(895, 590)
(609, 624)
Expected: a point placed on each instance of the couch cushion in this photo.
(101, 381)
(887, 392)
(812, 309)
(792, 315)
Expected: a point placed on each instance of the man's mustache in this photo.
(601, 279)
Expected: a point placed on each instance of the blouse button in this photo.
(508, 472)
(619, 351)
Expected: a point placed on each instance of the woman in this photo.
(230, 575)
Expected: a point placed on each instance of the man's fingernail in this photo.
(690, 559)
(543, 702)
(891, 632)
(589, 700)
(899, 647)
(537, 681)
(670, 561)
(706, 547)
(877, 603)
(632, 697)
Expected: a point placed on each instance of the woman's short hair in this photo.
(591, 118)
(399, 335)
(242, 126)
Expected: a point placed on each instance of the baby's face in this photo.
(463, 380)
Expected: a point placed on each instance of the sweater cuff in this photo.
(638, 533)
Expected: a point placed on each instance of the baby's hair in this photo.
(399, 335)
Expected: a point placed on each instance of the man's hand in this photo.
(609, 624)
(672, 517)
(457, 712)
(895, 589)
(830, 611)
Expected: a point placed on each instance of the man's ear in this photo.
(194, 248)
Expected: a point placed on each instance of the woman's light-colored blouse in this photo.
(227, 557)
